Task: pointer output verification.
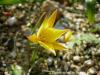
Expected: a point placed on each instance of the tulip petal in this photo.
(52, 18)
(32, 38)
(67, 36)
(51, 34)
(48, 46)
(58, 46)
(43, 26)
(48, 22)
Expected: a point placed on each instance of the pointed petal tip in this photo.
(52, 19)
(53, 52)
(55, 11)
(68, 36)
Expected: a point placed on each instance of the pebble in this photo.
(26, 31)
(12, 8)
(11, 21)
(18, 44)
(71, 73)
(86, 57)
(88, 62)
(82, 73)
(92, 71)
(67, 57)
(13, 54)
(98, 52)
(49, 61)
(6, 73)
(76, 58)
(75, 67)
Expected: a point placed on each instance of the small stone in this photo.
(67, 56)
(18, 44)
(13, 54)
(5, 73)
(60, 53)
(20, 5)
(26, 31)
(82, 73)
(92, 71)
(76, 58)
(97, 35)
(88, 62)
(28, 24)
(11, 21)
(86, 57)
(98, 52)
(12, 8)
(71, 73)
(49, 61)
(84, 29)
(22, 50)
(75, 67)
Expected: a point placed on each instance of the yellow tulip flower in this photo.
(47, 35)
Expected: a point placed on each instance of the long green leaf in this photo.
(6, 2)
(90, 10)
